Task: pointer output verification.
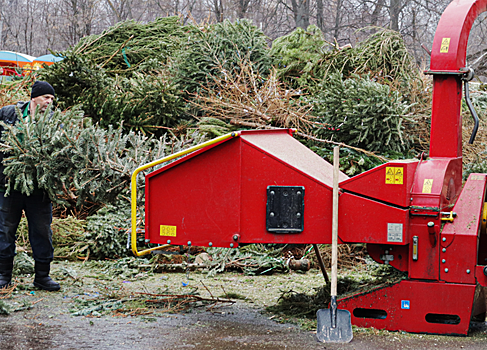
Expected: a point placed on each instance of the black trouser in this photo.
(38, 211)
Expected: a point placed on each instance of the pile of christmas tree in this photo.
(138, 92)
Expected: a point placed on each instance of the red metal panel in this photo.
(459, 239)
(278, 160)
(446, 119)
(436, 187)
(261, 168)
(198, 194)
(389, 182)
(449, 54)
(437, 183)
(279, 145)
(413, 306)
(362, 220)
(458, 262)
(426, 265)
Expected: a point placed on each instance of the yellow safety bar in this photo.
(150, 165)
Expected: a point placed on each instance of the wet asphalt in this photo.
(232, 327)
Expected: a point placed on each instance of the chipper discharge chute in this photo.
(416, 215)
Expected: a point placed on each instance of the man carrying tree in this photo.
(37, 206)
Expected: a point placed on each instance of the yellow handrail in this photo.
(150, 165)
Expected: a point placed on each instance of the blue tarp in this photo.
(48, 58)
(15, 56)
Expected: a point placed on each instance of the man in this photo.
(37, 206)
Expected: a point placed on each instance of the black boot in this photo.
(42, 279)
(6, 267)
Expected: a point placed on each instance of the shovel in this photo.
(334, 326)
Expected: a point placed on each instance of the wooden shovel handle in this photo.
(334, 227)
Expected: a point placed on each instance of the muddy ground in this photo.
(46, 320)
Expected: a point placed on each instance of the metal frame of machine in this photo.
(266, 187)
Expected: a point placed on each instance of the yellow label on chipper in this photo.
(169, 231)
(445, 45)
(427, 185)
(394, 175)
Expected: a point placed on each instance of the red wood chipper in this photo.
(266, 187)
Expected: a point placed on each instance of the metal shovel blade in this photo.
(334, 331)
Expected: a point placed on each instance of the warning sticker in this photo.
(168, 231)
(399, 176)
(394, 233)
(445, 45)
(427, 185)
(394, 175)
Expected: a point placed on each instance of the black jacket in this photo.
(8, 114)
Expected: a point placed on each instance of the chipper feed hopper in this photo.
(266, 187)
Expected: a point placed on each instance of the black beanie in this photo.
(42, 88)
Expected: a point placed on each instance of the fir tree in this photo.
(76, 161)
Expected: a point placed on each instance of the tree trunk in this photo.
(301, 13)
(374, 20)
(337, 18)
(320, 22)
(243, 6)
(394, 11)
(1, 32)
(218, 10)
(115, 10)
